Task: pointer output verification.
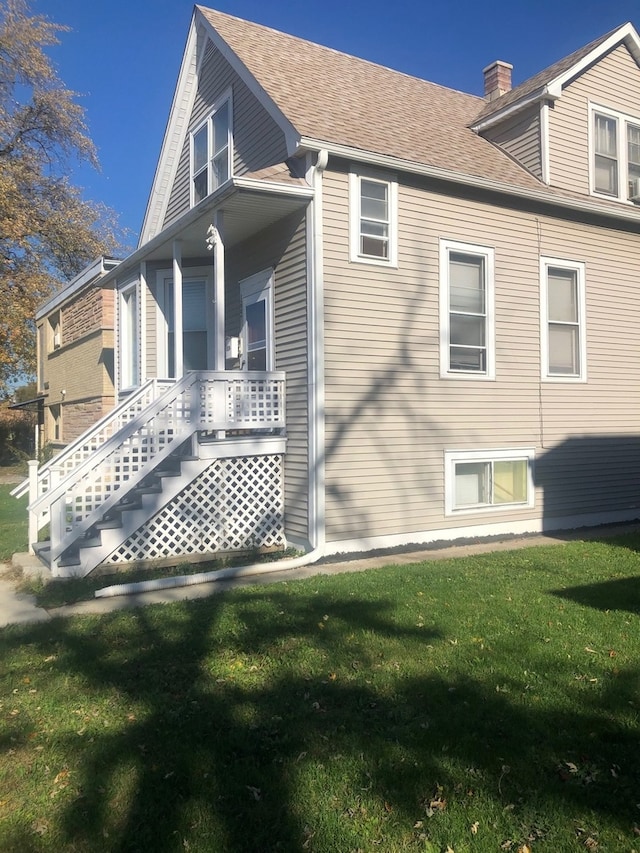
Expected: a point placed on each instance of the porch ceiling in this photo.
(246, 210)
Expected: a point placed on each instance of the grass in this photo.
(480, 704)
(13, 523)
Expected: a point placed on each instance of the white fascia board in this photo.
(382, 161)
(100, 267)
(626, 33)
(179, 114)
(273, 187)
(553, 89)
(291, 134)
(545, 93)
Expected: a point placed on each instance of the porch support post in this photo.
(177, 308)
(218, 277)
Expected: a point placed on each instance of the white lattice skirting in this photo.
(235, 505)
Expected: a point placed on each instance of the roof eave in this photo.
(550, 92)
(396, 164)
(211, 203)
(95, 273)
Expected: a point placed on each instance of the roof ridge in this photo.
(351, 56)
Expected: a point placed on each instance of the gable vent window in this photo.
(211, 153)
(616, 156)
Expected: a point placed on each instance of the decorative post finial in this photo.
(212, 237)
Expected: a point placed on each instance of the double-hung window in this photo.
(373, 204)
(466, 310)
(616, 155)
(562, 299)
(488, 480)
(211, 152)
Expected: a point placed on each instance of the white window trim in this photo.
(446, 247)
(227, 96)
(355, 176)
(124, 355)
(452, 457)
(621, 155)
(579, 268)
(163, 277)
(253, 289)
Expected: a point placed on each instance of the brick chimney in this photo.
(497, 79)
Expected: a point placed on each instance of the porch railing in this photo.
(86, 444)
(209, 401)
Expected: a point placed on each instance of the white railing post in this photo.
(33, 495)
(219, 405)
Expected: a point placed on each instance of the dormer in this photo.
(576, 125)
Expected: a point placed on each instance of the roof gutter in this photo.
(546, 93)
(96, 271)
(400, 165)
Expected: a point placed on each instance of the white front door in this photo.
(257, 321)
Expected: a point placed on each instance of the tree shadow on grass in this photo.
(216, 744)
(618, 594)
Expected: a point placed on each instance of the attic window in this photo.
(616, 155)
(211, 152)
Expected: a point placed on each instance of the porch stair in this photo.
(126, 516)
(131, 469)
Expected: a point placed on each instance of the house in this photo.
(74, 335)
(367, 311)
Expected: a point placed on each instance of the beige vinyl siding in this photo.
(258, 142)
(283, 247)
(389, 415)
(614, 83)
(520, 137)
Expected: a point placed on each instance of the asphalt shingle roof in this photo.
(541, 79)
(333, 97)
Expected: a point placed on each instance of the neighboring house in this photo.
(75, 355)
(418, 320)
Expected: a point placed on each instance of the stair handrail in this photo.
(211, 401)
(82, 445)
(60, 542)
(112, 444)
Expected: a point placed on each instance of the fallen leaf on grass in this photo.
(40, 827)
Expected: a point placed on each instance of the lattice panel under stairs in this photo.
(235, 505)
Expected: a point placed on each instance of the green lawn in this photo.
(13, 523)
(481, 704)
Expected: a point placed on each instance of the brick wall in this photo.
(78, 417)
(92, 310)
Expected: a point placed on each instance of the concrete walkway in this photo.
(17, 607)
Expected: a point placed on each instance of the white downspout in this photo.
(315, 345)
(315, 272)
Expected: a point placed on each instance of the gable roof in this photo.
(550, 80)
(353, 102)
(323, 98)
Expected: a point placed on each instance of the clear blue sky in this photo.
(124, 58)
